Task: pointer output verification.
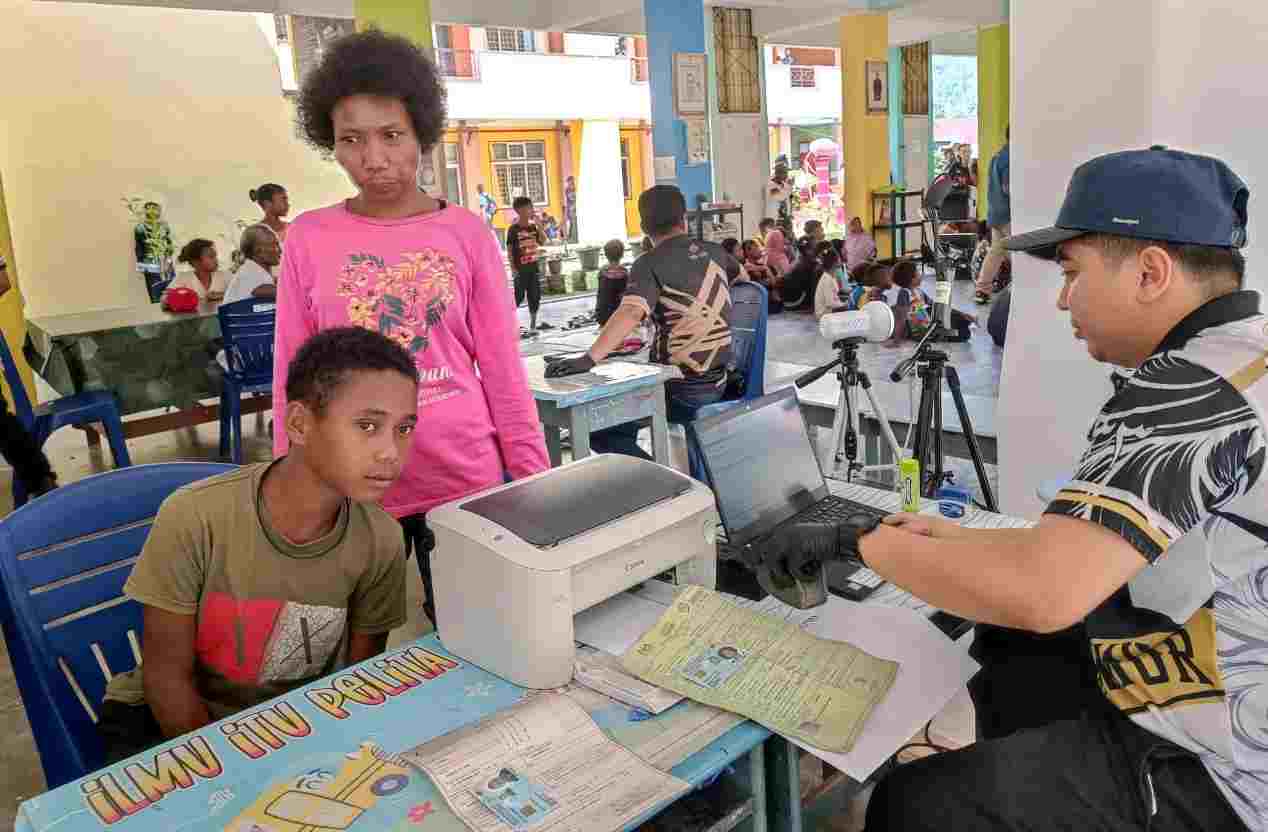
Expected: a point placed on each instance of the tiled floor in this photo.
(792, 339)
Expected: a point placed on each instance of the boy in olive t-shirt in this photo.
(263, 579)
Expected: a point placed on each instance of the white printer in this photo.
(514, 564)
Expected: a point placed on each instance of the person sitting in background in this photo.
(256, 256)
(913, 309)
(297, 545)
(753, 258)
(17, 446)
(732, 247)
(612, 281)
(776, 248)
(205, 279)
(799, 284)
(832, 282)
(869, 282)
(858, 246)
(814, 231)
(275, 203)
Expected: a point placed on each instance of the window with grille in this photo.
(453, 175)
(802, 77)
(509, 40)
(625, 167)
(738, 61)
(520, 169)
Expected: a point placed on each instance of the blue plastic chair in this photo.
(749, 313)
(247, 328)
(78, 409)
(63, 562)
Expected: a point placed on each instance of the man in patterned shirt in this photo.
(1159, 545)
(683, 286)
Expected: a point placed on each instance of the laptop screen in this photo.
(762, 464)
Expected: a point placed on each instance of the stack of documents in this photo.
(603, 672)
(806, 688)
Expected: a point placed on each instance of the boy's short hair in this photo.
(730, 245)
(325, 361)
(812, 226)
(661, 210)
(905, 274)
(614, 250)
(872, 277)
(522, 202)
(766, 223)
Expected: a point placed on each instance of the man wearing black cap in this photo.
(684, 286)
(1159, 544)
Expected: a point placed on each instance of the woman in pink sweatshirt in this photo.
(422, 272)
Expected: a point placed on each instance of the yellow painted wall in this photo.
(992, 103)
(103, 102)
(12, 323)
(412, 18)
(487, 138)
(634, 140)
(864, 37)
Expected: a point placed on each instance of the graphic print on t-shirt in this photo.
(402, 301)
(266, 641)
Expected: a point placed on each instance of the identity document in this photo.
(811, 689)
(542, 764)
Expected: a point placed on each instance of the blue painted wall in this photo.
(674, 26)
(897, 172)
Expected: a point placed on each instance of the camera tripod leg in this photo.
(970, 439)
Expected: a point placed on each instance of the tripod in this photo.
(845, 425)
(931, 367)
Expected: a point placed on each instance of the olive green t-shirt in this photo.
(271, 615)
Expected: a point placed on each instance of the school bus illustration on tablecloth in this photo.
(326, 797)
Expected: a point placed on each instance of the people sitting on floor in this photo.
(799, 284)
(694, 336)
(753, 259)
(776, 245)
(913, 309)
(858, 246)
(612, 280)
(205, 278)
(732, 247)
(298, 546)
(814, 231)
(832, 283)
(257, 254)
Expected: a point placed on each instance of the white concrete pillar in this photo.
(600, 204)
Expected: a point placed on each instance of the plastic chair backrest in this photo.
(63, 561)
(247, 328)
(749, 311)
(17, 390)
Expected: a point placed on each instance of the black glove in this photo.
(570, 366)
(799, 551)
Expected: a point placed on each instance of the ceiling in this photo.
(791, 22)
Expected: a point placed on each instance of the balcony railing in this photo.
(463, 64)
(638, 70)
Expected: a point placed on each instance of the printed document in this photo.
(807, 688)
(542, 764)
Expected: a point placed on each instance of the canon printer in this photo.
(514, 564)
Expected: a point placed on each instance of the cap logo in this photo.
(1122, 221)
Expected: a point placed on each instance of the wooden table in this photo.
(152, 359)
(613, 393)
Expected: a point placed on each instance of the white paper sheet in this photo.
(617, 624)
(932, 670)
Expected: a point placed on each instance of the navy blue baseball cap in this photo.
(1154, 194)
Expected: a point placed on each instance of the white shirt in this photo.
(250, 277)
(189, 280)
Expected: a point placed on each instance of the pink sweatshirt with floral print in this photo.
(436, 285)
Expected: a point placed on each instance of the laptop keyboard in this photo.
(835, 509)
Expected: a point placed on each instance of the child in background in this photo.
(913, 310)
(258, 581)
(870, 282)
(814, 231)
(732, 247)
(523, 239)
(832, 283)
(612, 280)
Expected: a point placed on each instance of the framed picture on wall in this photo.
(690, 83)
(877, 75)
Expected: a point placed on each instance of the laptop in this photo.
(765, 474)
